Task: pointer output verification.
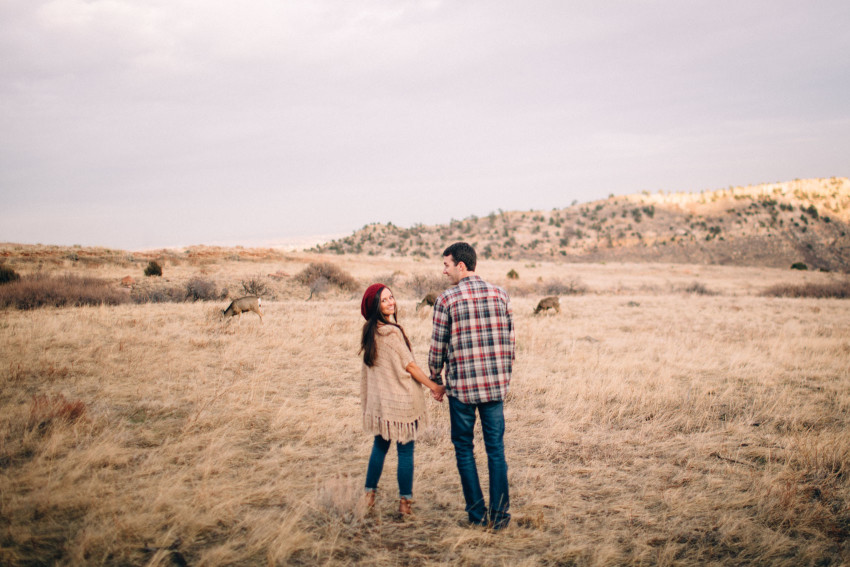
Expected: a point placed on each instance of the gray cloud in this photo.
(152, 123)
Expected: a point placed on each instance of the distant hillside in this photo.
(774, 225)
(94, 256)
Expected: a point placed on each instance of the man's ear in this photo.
(459, 264)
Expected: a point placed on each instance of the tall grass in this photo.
(654, 429)
(46, 290)
(834, 289)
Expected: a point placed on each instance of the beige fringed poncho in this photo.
(393, 404)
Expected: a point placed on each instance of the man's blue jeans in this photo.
(405, 466)
(493, 430)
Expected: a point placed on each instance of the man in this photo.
(473, 339)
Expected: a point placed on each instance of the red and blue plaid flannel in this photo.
(473, 337)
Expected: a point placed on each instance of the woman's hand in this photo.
(438, 392)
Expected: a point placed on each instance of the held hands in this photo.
(437, 392)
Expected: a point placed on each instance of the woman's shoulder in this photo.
(388, 330)
(392, 337)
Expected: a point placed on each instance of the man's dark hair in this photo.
(462, 252)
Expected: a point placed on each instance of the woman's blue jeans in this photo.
(493, 429)
(405, 466)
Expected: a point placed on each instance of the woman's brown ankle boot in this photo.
(404, 507)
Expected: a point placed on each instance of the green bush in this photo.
(799, 266)
(153, 269)
(513, 275)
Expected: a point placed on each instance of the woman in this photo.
(390, 392)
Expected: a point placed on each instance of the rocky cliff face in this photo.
(773, 225)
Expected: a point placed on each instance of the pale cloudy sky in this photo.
(147, 123)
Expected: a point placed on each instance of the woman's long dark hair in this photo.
(368, 346)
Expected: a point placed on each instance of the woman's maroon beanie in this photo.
(369, 298)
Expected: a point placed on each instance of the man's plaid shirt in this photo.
(474, 339)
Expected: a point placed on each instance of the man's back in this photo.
(473, 336)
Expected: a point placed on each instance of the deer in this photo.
(430, 299)
(547, 303)
(242, 304)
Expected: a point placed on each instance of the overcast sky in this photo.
(147, 123)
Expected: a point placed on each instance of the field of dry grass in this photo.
(646, 425)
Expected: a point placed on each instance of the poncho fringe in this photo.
(391, 430)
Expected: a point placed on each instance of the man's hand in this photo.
(438, 393)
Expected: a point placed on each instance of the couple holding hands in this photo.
(472, 344)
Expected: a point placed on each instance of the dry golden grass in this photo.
(645, 425)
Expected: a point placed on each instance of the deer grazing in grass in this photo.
(429, 300)
(547, 303)
(243, 304)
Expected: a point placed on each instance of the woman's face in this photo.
(387, 303)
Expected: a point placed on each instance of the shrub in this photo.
(835, 290)
(513, 275)
(40, 290)
(559, 287)
(153, 269)
(319, 285)
(8, 275)
(199, 289)
(334, 275)
(255, 285)
(390, 280)
(799, 266)
(159, 294)
(422, 284)
(698, 289)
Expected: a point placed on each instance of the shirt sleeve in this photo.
(442, 327)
